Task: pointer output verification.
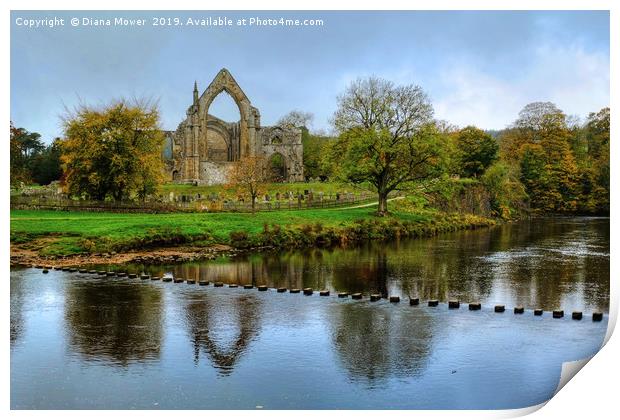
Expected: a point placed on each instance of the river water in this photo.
(84, 341)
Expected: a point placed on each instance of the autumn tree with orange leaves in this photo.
(249, 176)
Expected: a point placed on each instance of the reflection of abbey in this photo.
(203, 148)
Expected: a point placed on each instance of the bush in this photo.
(239, 239)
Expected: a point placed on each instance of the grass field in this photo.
(64, 233)
(53, 232)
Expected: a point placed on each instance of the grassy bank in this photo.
(65, 233)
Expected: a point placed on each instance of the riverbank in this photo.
(74, 238)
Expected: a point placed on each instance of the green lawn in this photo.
(62, 233)
(54, 232)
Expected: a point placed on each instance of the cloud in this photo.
(576, 80)
(478, 67)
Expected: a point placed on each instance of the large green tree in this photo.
(387, 137)
(113, 152)
(476, 151)
(24, 146)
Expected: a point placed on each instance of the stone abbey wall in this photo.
(203, 148)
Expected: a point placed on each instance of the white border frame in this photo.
(592, 394)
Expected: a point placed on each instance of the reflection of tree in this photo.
(550, 260)
(465, 265)
(114, 321)
(210, 322)
(376, 344)
(361, 270)
(520, 260)
(596, 281)
(17, 293)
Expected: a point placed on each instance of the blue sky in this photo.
(478, 68)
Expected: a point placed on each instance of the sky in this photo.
(477, 67)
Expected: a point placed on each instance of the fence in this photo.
(301, 202)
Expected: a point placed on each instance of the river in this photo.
(84, 341)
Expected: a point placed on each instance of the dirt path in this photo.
(374, 203)
(159, 255)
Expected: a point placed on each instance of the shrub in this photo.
(239, 239)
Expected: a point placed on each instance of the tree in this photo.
(511, 141)
(597, 129)
(46, 165)
(527, 127)
(24, 145)
(296, 119)
(314, 150)
(507, 193)
(596, 175)
(387, 136)
(113, 152)
(548, 168)
(248, 174)
(533, 115)
(476, 151)
(534, 175)
(18, 172)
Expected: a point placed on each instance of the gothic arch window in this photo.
(276, 140)
(224, 82)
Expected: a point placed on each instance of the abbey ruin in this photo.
(203, 148)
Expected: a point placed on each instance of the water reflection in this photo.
(114, 322)
(375, 345)
(134, 341)
(221, 327)
(18, 297)
(539, 263)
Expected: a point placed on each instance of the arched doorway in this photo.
(276, 167)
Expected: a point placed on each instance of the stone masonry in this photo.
(203, 148)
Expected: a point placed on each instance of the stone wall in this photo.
(214, 173)
(286, 142)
